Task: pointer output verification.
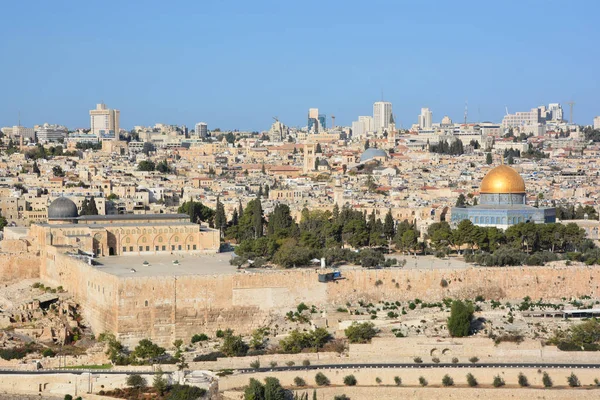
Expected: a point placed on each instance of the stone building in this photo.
(502, 202)
(128, 234)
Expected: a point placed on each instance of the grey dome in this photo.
(62, 208)
(371, 153)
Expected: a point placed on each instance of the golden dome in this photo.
(502, 179)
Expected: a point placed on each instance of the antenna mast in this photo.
(466, 111)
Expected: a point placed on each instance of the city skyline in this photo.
(258, 67)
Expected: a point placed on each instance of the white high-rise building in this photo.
(21, 131)
(597, 122)
(47, 133)
(201, 129)
(104, 122)
(363, 126)
(382, 110)
(425, 119)
(555, 112)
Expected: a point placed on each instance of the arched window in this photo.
(176, 239)
(160, 239)
(476, 220)
(128, 240)
(144, 239)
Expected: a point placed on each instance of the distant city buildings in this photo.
(47, 133)
(363, 126)
(201, 129)
(104, 122)
(425, 119)
(597, 122)
(19, 131)
(382, 111)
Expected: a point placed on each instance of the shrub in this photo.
(360, 333)
(136, 381)
(447, 380)
(233, 346)
(68, 397)
(471, 381)
(546, 380)
(199, 338)
(596, 381)
(306, 363)
(498, 381)
(321, 379)
(454, 360)
(290, 363)
(182, 392)
(255, 364)
(523, 382)
(341, 397)
(349, 380)
(444, 283)
(378, 380)
(397, 380)
(459, 322)
(473, 359)
(48, 353)
(418, 360)
(423, 381)
(273, 364)
(299, 381)
(298, 341)
(435, 360)
(220, 333)
(573, 380)
(209, 357)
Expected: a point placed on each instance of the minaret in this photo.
(310, 151)
(338, 193)
(391, 133)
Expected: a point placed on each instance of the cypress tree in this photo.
(257, 219)
(36, 169)
(388, 226)
(91, 208)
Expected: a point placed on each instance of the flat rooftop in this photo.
(162, 265)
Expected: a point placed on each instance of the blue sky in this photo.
(236, 64)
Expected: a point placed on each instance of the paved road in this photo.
(424, 365)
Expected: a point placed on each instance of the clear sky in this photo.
(236, 64)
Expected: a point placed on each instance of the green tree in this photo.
(220, 217)
(88, 207)
(254, 391)
(36, 169)
(273, 389)
(197, 211)
(146, 165)
(163, 167)
(459, 322)
(280, 222)
(360, 332)
(148, 148)
(388, 226)
(58, 171)
(461, 201)
(3, 222)
(488, 158)
(136, 381)
(233, 346)
(160, 382)
(146, 350)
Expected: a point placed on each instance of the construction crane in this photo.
(571, 104)
(276, 119)
(332, 121)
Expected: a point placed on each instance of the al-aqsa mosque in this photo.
(502, 202)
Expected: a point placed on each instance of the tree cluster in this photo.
(570, 212)
(455, 149)
(271, 390)
(88, 207)
(280, 239)
(197, 211)
(459, 322)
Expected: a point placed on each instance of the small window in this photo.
(194, 247)
(146, 303)
(140, 248)
(179, 247)
(155, 248)
(124, 249)
(130, 248)
(172, 247)
(164, 248)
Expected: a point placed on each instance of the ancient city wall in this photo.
(97, 291)
(18, 266)
(492, 283)
(164, 308)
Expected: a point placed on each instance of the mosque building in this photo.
(120, 235)
(502, 202)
